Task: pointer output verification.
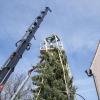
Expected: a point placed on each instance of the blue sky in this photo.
(77, 22)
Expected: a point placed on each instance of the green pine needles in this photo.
(50, 80)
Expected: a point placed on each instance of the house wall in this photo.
(95, 67)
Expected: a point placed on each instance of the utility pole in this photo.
(22, 45)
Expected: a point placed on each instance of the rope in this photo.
(60, 53)
(46, 47)
(42, 78)
(39, 90)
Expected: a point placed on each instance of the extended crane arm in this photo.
(22, 45)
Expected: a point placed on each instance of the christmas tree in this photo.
(53, 79)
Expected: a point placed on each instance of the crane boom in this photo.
(22, 45)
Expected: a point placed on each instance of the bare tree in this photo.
(12, 85)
